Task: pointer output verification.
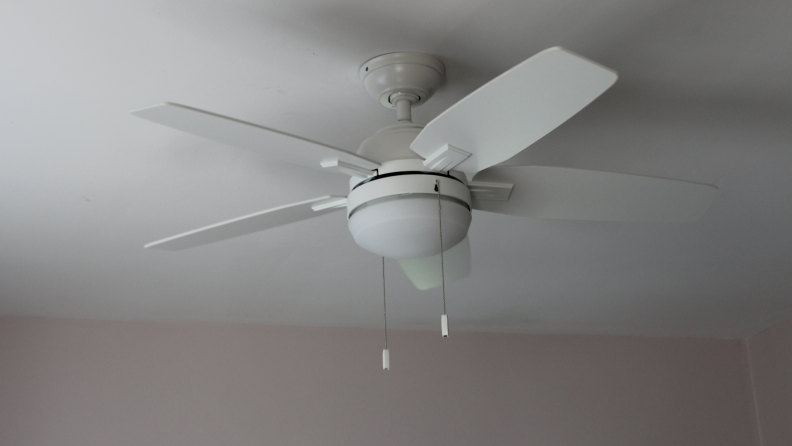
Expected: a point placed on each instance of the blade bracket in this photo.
(480, 190)
(335, 165)
(330, 203)
(446, 158)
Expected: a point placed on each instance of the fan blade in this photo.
(233, 132)
(425, 273)
(574, 194)
(248, 224)
(516, 109)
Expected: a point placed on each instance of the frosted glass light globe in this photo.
(407, 227)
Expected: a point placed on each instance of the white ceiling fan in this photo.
(402, 173)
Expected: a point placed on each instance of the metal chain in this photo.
(384, 308)
(442, 265)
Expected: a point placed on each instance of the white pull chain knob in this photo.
(385, 352)
(444, 317)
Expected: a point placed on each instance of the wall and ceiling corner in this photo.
(770, 356)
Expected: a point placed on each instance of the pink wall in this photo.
(91, 383)
(771, 363)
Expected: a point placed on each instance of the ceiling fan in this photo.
(401, 174)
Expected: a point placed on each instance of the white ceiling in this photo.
(704, 95)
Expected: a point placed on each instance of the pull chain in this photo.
(444, 317)
(385, 352)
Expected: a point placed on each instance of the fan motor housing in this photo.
(392, 143)
(395, 214)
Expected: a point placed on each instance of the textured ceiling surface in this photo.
(704, 95)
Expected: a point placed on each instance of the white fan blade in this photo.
(425, 273)
(248, 224)
(233, 132)
(575, 194)
(516, 109)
